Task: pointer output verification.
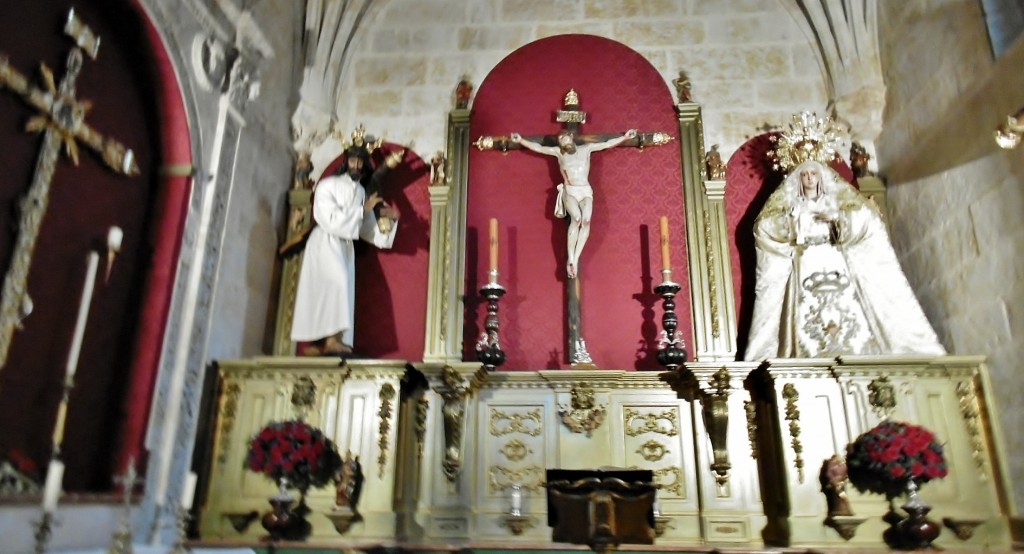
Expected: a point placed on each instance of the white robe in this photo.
(325, 299)
(824, 292)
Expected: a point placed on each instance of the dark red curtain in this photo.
(85, 202)
(621, 263)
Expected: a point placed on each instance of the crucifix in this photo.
(61, 119)
(575, 195)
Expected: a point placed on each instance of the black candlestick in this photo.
(488, 348)
(671, 347)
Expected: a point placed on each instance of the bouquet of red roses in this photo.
(295, 451)
(885, 458)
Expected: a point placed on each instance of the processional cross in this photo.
(571, 117)
(62, 122)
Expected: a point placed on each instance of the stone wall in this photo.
(749, 63)
(955, 198)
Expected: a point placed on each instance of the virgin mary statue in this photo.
(828, 282)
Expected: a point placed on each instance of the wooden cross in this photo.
(571, 117)
(62, 122)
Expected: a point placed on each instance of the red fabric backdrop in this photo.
(393, 283)
(750, 180)
(621, 263)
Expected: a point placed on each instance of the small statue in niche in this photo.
(463, 92)
(437, 163)
(303, 167)
(833, 484)
(349, 482)
(859, 159)
(714, 166)
(682, 84)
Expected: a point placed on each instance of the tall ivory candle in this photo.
(188, 490)
(494, 245)
(83, 314)
(666, 261)
(51, 490)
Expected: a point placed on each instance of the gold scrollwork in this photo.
(517, 423)
(675, 486)
(882, 397)
(791, 395)
(530, 478)
(652, 450)
(515, 450)
(648, 422)
(969, 411)
(751, 411)
(229, 411)
(386, 395)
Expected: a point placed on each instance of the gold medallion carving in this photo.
(638, 423)
(652, 450)
(515, 450)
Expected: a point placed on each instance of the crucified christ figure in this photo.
(575, 195)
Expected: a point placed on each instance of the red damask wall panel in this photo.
(620, 265)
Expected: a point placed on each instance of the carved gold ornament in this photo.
(585, 415)
(806, 137)
(229, 411)
(652, 450)
(972, 420)
(507, 423)
(638, 423)
(515, 450)
(790, 394)
(529, 478)
(882, 397)
(386, 395)
(751, 411)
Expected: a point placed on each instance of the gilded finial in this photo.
(807, 137)
(571, 98)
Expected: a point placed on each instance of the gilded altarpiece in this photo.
(736, 447)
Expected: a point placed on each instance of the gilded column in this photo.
(446, 282)
(711, 293)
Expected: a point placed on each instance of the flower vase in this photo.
(917, 530)
(278, 520)
(285, 521)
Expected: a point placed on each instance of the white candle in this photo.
(657, 507)
(114, 237)
(517, 499)
(83, 314)
(51, 491)
(188, 490)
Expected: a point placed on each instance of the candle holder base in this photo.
(671, 347)
(516, 524)
(488, 348)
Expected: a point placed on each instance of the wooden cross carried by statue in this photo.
(575, 194)
(62, 122)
